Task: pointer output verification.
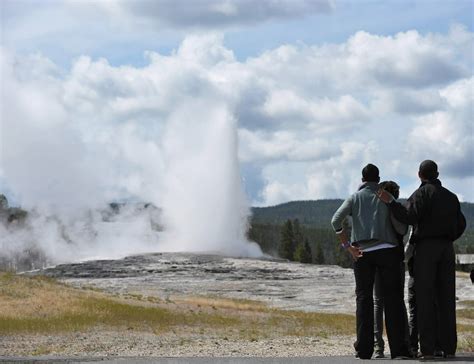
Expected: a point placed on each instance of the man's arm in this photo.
(342, 212)
(409, 214)
(460, 222)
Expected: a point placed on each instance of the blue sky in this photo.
(318, 88)
(382, 17)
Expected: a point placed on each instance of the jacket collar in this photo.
(371, 185)
(435, 182)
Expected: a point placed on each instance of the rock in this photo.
(280, 284)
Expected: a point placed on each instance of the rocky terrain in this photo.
(183, 287)
(318, 288)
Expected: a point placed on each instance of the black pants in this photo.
(387, 261)
(378, 313)
(379, 308)
(435, 284)
(413, 317)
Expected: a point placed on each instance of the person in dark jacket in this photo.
(437, 220)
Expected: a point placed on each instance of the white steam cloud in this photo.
(204, 206)
(73, 142)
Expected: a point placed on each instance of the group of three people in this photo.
(376, 245)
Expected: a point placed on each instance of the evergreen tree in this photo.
(297, 233)
(343, 257)
(287, 246)
(308, 257)
(319, 259)
(303, 253)
(299, 253)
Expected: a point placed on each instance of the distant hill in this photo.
(318, 213)
(315, 220)
(311, 213)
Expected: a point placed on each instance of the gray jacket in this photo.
(371, 224)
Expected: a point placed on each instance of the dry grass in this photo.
(32, 305)
(223, 303)
(41, 305)
(466, 343)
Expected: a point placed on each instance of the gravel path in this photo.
(98, 343)
(279, 284)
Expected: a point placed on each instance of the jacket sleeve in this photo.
(342, 212)
(399, 227)
(460, 223)
(413, 211)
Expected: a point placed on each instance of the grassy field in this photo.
(42, 305)
(38, 305)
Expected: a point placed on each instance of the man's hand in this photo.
(385, 196)
(356, 253)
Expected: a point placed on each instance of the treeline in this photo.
(318, 213)
(297, 242)
(301, 231)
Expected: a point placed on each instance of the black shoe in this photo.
(423, 357)
(438, 353)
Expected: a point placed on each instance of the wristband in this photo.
(345, 245)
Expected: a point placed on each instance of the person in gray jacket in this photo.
(373, 247)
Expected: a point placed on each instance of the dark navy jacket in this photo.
(434, 212)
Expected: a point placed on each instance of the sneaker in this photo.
(379, 354)
(438, 353)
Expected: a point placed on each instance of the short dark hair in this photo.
(428, 169)
(370, 173)
(391, 187)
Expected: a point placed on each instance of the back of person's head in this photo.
(428, 170)
(370, 173)
(391, 187)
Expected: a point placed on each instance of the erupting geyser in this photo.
(204, 206)
(72, 143)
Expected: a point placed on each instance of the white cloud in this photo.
(215, 13)
(448, 136)
(70, 27)
(320, 112)
(282, 145)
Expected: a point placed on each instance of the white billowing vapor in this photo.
(204, 206)
(72, 143)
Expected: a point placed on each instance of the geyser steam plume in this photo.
(204, 206)
(68, 147)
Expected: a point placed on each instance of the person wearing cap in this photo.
(437, 220)
(373, 247)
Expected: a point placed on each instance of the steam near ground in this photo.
(64, 162)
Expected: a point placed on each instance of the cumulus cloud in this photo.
(405, 60)
(216, 13)
(119, 26)
(309, 117)
(406, 95)
(448, 136)
(322, 178)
